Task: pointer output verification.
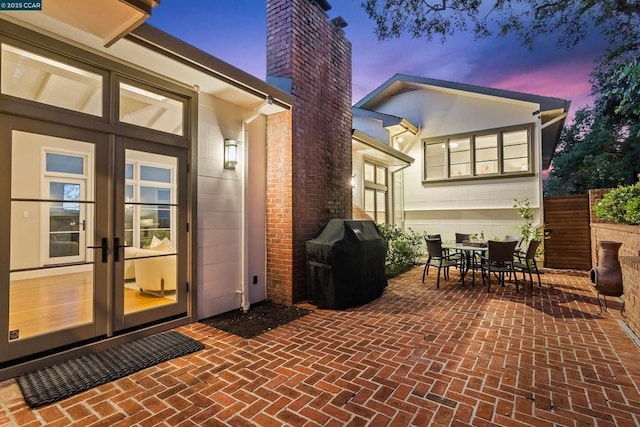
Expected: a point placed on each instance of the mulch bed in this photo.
(261, 317)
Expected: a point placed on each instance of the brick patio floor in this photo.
(417, 356)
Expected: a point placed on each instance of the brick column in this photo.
(279, 212)
(312, 183)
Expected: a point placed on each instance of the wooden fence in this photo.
(569, 238)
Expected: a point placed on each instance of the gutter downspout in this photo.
(401, 191)
(244, 235)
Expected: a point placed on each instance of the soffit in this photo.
(107, 19)
(379, 151)
(147, 51)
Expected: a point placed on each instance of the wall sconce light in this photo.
(353, 181)
(230, 153)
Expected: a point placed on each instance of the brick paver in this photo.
(417, 356)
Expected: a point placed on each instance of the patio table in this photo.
(469, 251)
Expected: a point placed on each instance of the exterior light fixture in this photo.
(230, 153)
(353, 180)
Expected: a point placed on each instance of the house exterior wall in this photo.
(227, 244)
(311, 183)
(220, 204)
(471, 206)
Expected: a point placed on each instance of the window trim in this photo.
(529, 127)
(112, 70)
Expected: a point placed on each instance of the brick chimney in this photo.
(309, 147)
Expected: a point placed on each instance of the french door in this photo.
(93, 235)
(150, 243)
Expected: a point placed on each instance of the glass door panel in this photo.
(151, 219)
(53, 289)
(91, 247)
(67, 222)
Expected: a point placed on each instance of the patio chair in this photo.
(508, 238)
(431, 236)
(525, 262)
(499, 261)
(438, 258)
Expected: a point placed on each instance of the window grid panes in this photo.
(488, 153)
(435, 159)
(151, 110)
(38, 78)
(460, 157)
(516, 151)
(375, 192)
(369, 172)
(149, 204)
(64, 163)
(486, 149)
(381, 175)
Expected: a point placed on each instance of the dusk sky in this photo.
(235, 31)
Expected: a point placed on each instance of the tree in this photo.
(617, 85)
(616, 79)
(601, 148)
(528, 18)
(592, 153)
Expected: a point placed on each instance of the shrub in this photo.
(620, 205)
(528, 230)
(404, 250)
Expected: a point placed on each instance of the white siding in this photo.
(219, 254)
(467, 206)
(358, 192)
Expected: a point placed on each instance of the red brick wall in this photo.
(629, 255)
(279, 212)
(304, 46)
(631, 289)
(628, 235)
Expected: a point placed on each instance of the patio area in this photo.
(453, 356)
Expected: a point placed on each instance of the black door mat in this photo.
(59, 381)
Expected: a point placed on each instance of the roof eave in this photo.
(155, 39)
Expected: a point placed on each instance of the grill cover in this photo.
(346, 264)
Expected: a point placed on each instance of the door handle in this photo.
(116, 248)
(104, 247)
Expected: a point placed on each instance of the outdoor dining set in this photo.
(470, 253)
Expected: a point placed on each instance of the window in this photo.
(41, 79)
(151, 110)
(65, 218)
(487, 153)
(150, 208)
(460, 157)
(516, 151)
(375, 192)
(486, 150)
(435, 159)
